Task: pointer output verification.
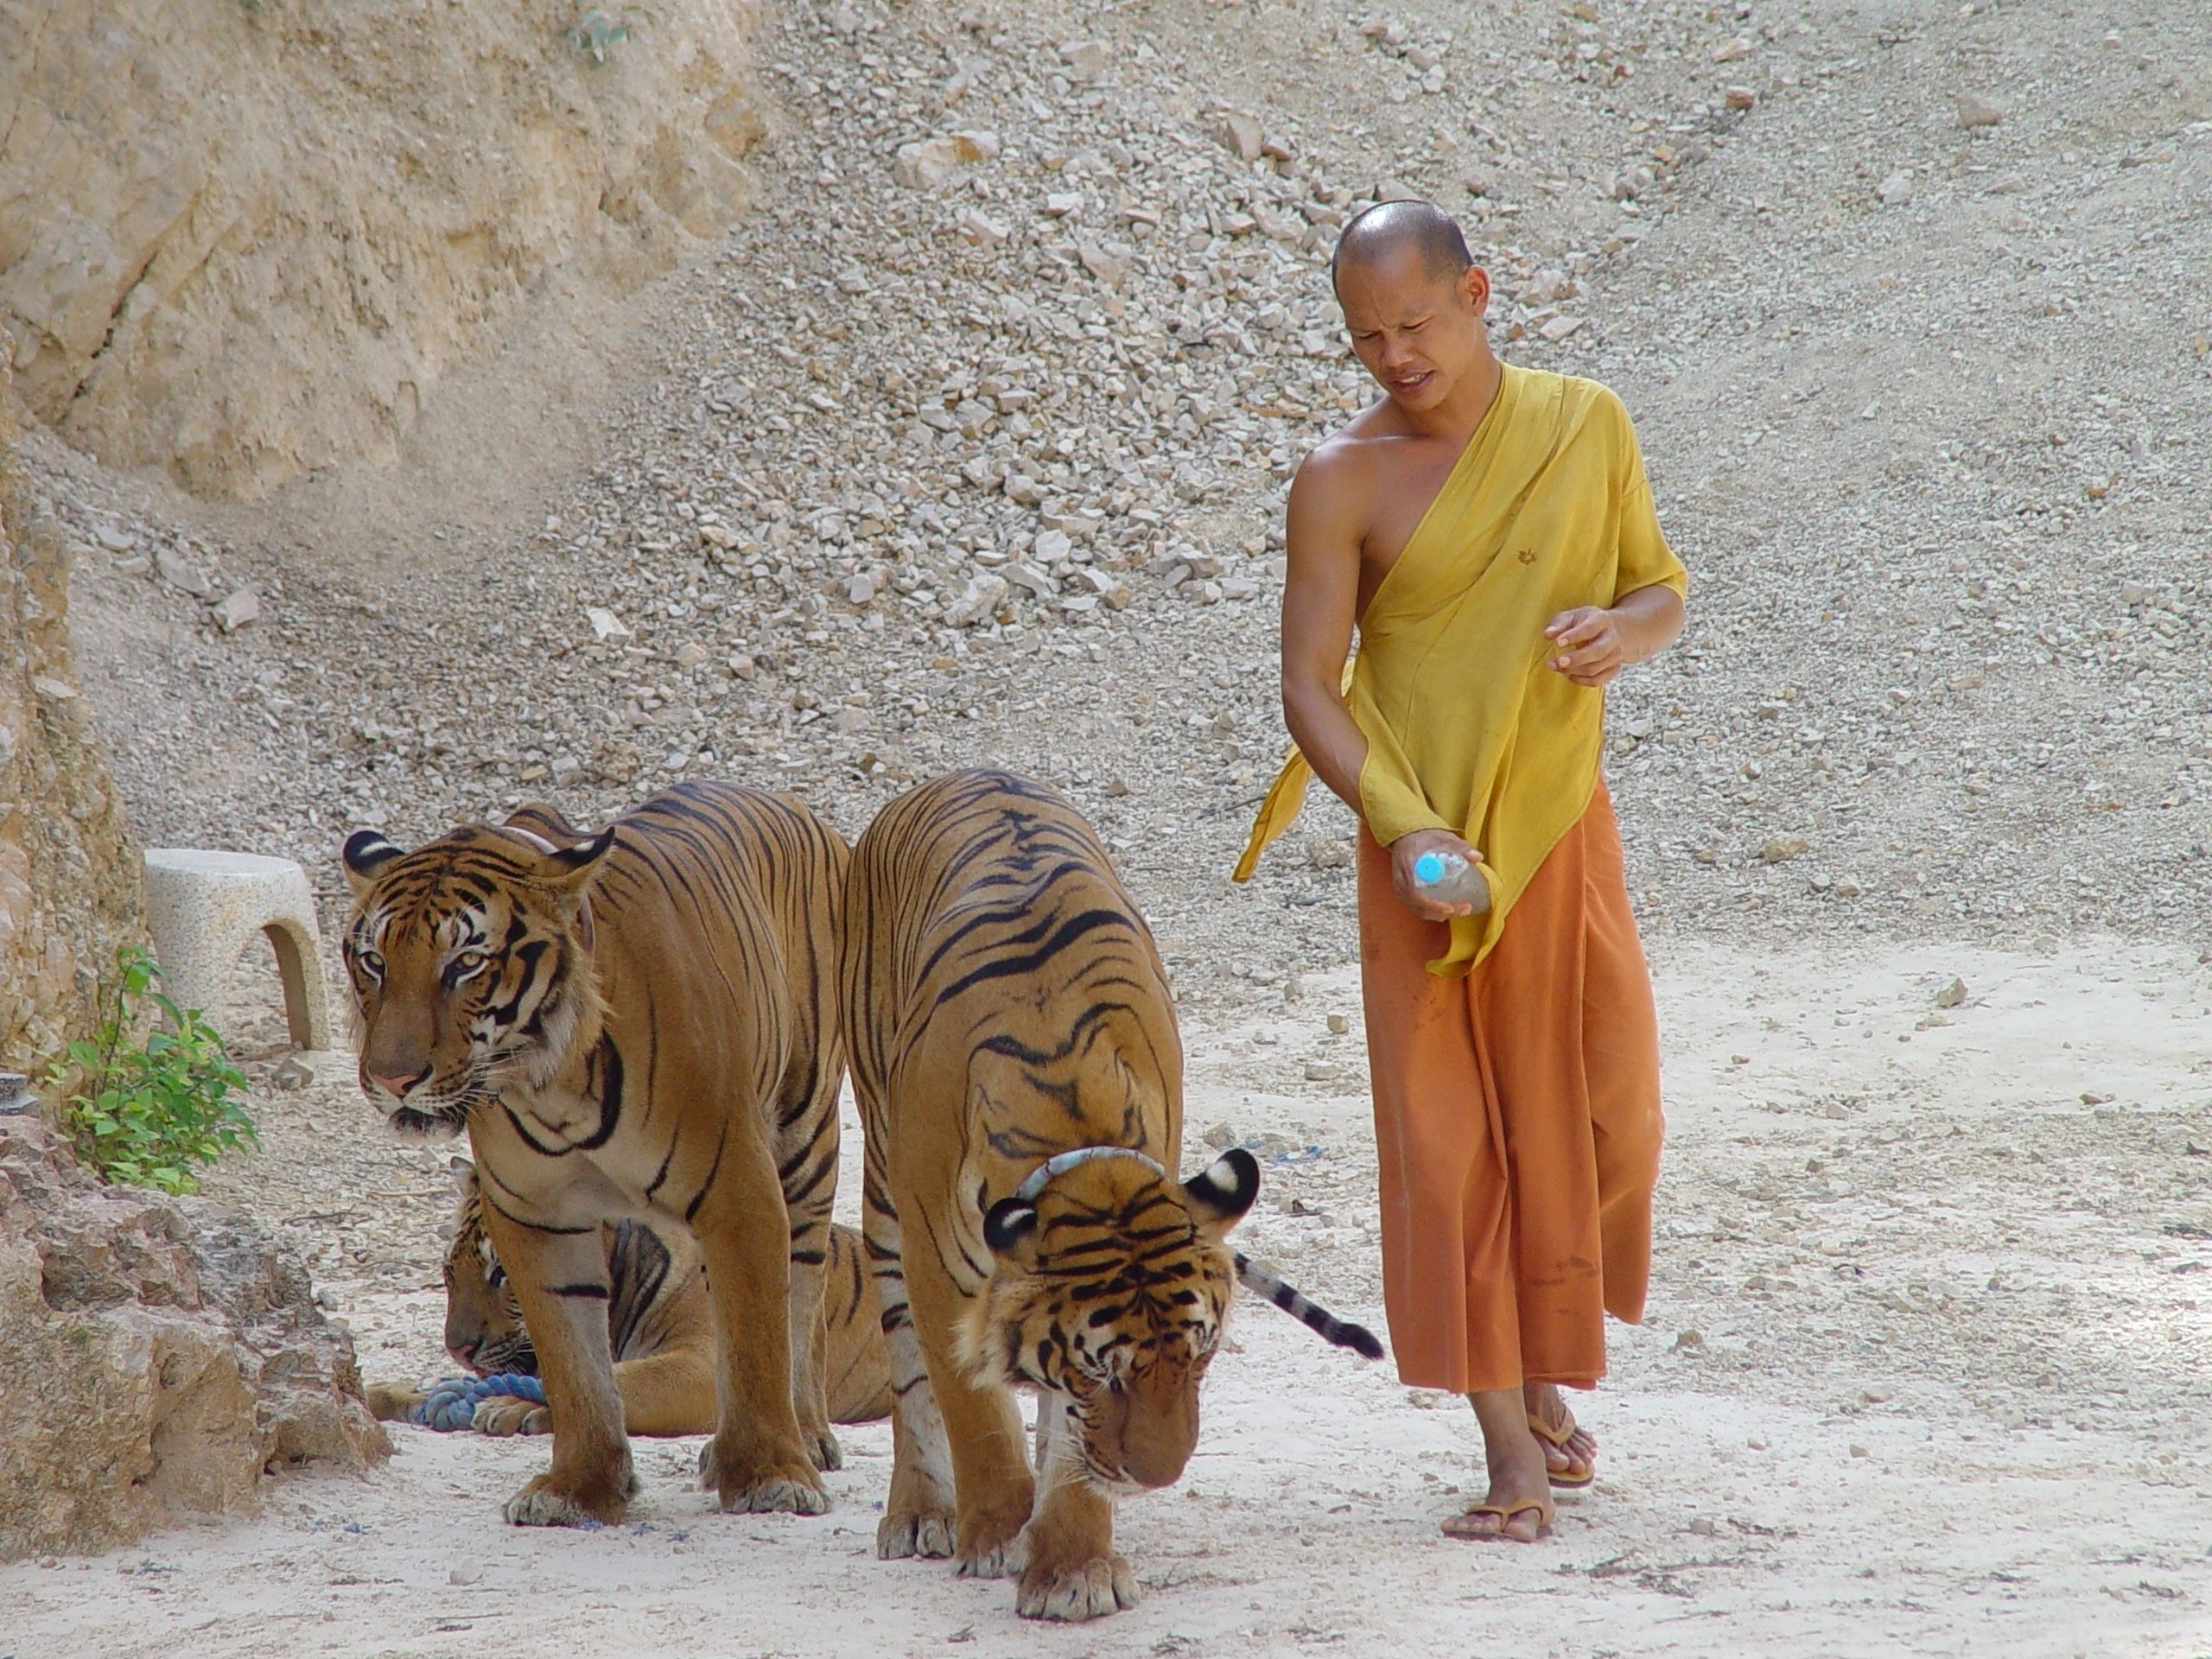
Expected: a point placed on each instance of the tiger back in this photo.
(636, 1022)
(1020, 1077)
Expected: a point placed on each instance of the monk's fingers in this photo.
(1577, 626)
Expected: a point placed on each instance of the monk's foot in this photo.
(1517, 1508)
(1570, 1449)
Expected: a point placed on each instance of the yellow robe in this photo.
(1467, 729)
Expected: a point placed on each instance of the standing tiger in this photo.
(638, 1021)
(1020, 1082)
(660, 1329)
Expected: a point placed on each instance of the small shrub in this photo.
(596, 29)
(147, 1111)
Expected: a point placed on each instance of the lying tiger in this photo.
(659, 1326)
(1014, 1054)
(638, 1022)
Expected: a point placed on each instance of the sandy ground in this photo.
(1924, 1373)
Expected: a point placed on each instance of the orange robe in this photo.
(1517, 1122)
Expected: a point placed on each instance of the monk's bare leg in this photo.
(1573, 1462)
(1518, 1506)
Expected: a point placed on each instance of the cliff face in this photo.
(69, 884)
(239, 241)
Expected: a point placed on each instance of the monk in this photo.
(1489, 530)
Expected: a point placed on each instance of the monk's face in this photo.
(1418, 331)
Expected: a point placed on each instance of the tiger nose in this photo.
(397, 1087)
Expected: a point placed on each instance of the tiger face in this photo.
(470, 964)
(484, 1327)
(1108, 1295)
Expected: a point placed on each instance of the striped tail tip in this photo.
(1308, 1312)
(1357, 1337)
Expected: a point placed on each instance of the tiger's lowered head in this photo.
(1110, 1289)
(470, 968)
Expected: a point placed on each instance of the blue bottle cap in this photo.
(1429, 868)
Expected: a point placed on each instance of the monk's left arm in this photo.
(1595, 642)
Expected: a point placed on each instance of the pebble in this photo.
(241, 609)
(1952, 994)
(1976, 111)
(1779, 849)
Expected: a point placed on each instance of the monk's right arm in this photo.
(1320, 601)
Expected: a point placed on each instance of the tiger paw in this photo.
(901, 1533)
(545, 1502)
(991, 1545)
(754, 1487)
(823, 1450)
(390, 1402)
(1084, 1590)
(504, 1414)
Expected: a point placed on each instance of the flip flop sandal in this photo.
(1505, 1513)
(1557, 1440)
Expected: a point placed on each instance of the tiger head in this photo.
(484, 1327)
(1109, 1291)
(470, 961)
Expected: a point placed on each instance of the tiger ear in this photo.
(570, 869)
(1219, 1194)
(365, 852)
(1008, 1227)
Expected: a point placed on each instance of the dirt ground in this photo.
(1925, 1372)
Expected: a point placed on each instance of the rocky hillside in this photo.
(971, 443)
(68, 873)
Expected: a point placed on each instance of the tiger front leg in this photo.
(982, 1428)
(757, 1461)
(561, 1280)
(1072, 1572)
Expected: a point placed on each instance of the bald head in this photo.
(1390, 228)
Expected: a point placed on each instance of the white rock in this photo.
(1112, 592)
(927, 163)
(1240, 134)
(1052, 546)
(690, 654)
(605, 625)
(239, 610)
(977, 601)
(1060, 203)
(1086, 60)
(181, 573)
(1031, 577)
(981, 229)
(1108, 266)
(1895, 190)
(1976, 111)
(1729, 50)
(1560, 328)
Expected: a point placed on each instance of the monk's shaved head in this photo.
(1391, 228)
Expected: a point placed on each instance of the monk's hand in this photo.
(1406, 852)
(1587, 645)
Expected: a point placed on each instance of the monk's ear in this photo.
(365, 853)
(1219, 1194)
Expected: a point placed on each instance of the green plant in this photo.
(147, 1110)
(595, 29)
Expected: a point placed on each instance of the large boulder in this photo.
(241, 241)
(156, 1356)
(69, 876)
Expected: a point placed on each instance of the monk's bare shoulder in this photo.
(1340, 475)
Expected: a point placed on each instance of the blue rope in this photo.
(452, 1404)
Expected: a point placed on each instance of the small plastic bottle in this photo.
(1448, 878)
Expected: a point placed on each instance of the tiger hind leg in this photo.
(919, 1516)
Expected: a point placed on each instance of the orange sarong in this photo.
(1517, 1119)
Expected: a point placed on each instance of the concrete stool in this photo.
(202, 907)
